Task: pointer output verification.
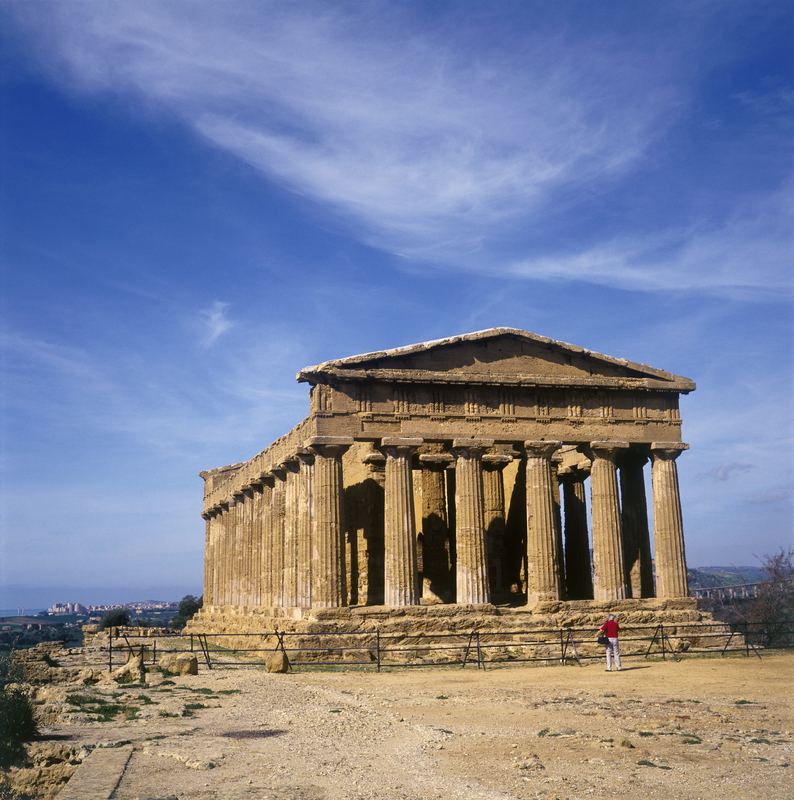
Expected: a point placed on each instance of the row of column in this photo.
(279, 542)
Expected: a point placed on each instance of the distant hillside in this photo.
(704, 577)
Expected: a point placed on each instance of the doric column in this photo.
(401, 577)
(668, 526)
(291, 512)
(277, 513)
(246, 598)
(227, 529)
(238, 545)
(609, 577)
(578, 573)
(207, 584)
(436, 562)
(371, 517)
(543, 563)
(257, 534)
(266, 553)
(328, 578)
(495, 520)
(306, 476)
(471, 566)
(636, 534)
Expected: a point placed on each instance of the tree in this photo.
(17, 718)
(188, 606)
(115, 618)
(774, 603)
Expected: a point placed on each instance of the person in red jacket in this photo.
(611, 630)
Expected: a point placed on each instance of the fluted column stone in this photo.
(471, 567)
(495, 520)
(291, 511)
(246, 588)
(401, 576)
(328, 576)
(278, 506)
(668, 526)
(305, 514)
(608, 573)
(543, 564)
(257, 533)
(436, 563)
(266, 552)
(578, 571)
(637, 561)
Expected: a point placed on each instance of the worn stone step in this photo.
(98, 776)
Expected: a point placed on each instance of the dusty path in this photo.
(702, 728)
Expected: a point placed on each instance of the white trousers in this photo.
(612, 647)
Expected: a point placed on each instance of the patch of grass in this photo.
(673, 701)
(167, 714)
(444, 730)
(228, 691)
(645, 733)
(606, 741)
(543, 732)
(96, 705)
(194, 706)
(442, 697)
(158, 736)
(760, 741)
(147, 701)
(745, 703)
(646, 763)
(334, 710)
(610, 695)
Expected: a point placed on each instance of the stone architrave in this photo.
(495, 519)
(401, 576)
(291, 534)
(668, 526)
(608, 573)
(305, 513)
(328, 577)
(471, 567)
(278, 513)
(436, 563)
(636, 534)
(578, 571)
(543, 562)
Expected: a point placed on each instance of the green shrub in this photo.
(115, 618)
(188, 606)
(17, 724)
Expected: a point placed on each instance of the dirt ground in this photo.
(701, 728)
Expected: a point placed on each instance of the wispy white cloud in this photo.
(783, 495)
(215, 322)
(422, 144)
(723, 472)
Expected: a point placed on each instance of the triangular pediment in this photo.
(495, 356)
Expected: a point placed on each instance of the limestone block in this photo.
(277, 661)
(133, 670)
(180, 663)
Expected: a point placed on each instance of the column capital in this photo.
(277, 471)
(290, 464)
(542, 448)
(328, 446)
(608, 449)
(432, 459)
(494, 461)
(304, 457)
(669, 451)
(207, 514)
(470, 447)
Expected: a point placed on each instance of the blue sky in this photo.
(198, 199)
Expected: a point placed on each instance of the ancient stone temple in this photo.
(455, 471)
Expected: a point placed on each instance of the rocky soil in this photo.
(700, 728)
